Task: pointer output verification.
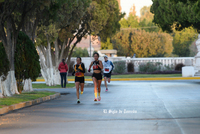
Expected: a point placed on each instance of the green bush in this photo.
(150, 67)
(120, 67)
(130, 67)
(168, 68)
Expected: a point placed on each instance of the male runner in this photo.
(107, 70)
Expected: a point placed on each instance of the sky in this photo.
(127, 4)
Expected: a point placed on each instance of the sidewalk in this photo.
(141, 79)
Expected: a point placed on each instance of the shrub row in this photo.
(149, 67)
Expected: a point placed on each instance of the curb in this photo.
(10, 108)
(141, 79)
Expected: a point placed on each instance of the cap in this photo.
(105, 56)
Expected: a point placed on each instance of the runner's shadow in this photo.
(97, 103)
(79, 104)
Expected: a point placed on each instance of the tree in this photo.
(132, 10)
(54, 42)
(183, 40)
(112, 24)
(146, 20)
(100, 18)
(4, 65)
(27, 65)
(79, 52)
(142, 43)
(13, 15)
(120, 7)
(146, 14)
(130, 22)
(107, 44)
(178, 14)
(46, 13)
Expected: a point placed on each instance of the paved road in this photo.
(139, 107)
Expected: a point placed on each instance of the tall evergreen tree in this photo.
(27, 65)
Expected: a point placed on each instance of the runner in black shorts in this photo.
(79, 70)
(96, 76)
(107, 70)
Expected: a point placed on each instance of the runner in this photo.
(79, 70)
(107, 70)
(96, 76)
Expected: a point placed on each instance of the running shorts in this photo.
(107, 75)
(97, 76)
(80, 79)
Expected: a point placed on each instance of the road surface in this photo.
(130, 107)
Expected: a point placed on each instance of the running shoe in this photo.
(95, 99)
(106, 89)
(81, 92)
(99, 98)
(78, 101)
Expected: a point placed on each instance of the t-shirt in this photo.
(107, 66)
(95, 65)
(79, 70)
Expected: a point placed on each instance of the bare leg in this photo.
(99, 86)
(77, 89)
(108, 80)
(82, 87)
(105, 81)
(95, 86)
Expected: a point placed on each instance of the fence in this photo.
(172, 61)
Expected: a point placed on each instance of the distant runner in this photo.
(79, 70)
(107, 70)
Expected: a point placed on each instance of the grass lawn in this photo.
(146, 75)
(69, 85)
(135, 76)
(23, 97)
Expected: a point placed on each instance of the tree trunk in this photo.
(49, 62)
(47, 68)
(50, 66)
(28, 86)
(9, 86)
(57, 79)
(5, 91)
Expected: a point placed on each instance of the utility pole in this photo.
(90, 47)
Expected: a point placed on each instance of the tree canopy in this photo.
(183, 40)
(142, 43)
(144, 22)
(130, 22)
(107, 44)
(178, 14)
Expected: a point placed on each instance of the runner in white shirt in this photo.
(107, 70)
